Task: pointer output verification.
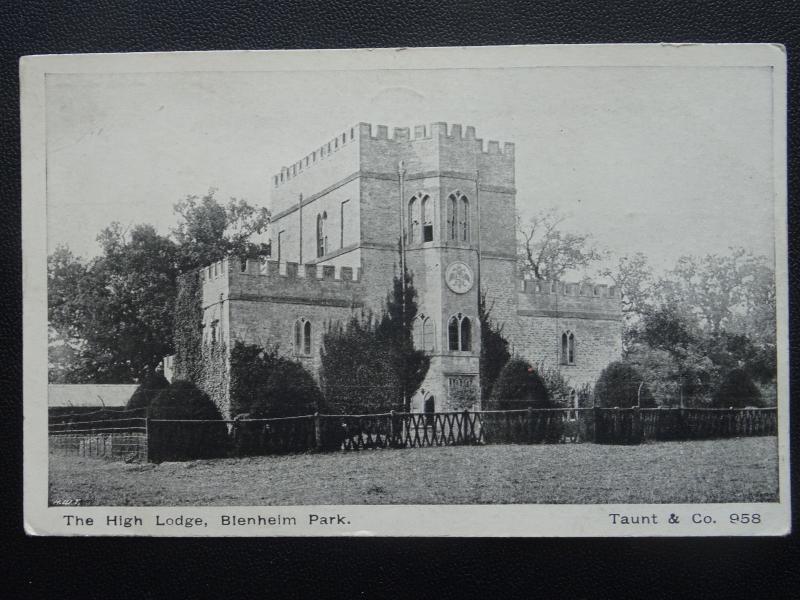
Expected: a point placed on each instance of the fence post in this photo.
(595, 424)
(529, 417)
(638, 430)
(317, 432)
(392, 443)
(147, 434)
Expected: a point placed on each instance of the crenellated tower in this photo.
(437, 199)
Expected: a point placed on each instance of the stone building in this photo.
(338, 215)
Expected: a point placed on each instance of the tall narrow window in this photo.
(452, 217)
(428, 336)
(417, 332)
(571, 352)
(302, 337)
(427, 220)
(320, 249)
(466, 334)
(324, 233)
(307, 338)
(413, 220)
(459, 333)
(452, 334)
(280, 236)
(464, 219)
(342, 217)
(423, 333)
(568, 348)
(322, 237)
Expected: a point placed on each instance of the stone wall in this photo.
(591, 313)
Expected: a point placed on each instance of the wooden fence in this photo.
(105, 433)
(170, 439)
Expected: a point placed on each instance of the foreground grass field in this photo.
(735, 470)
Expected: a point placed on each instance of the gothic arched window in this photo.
(427, 219)
(423, 333)
(567, 348)
(417, 332)
(428, 335)
(452, 334)
(302, 337)
(466, 334)
(463, 219)
(459, 333)
(307, 338)
(413, 220)
(452, 217)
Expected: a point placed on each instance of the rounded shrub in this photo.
(618, 385)
(184, 400)
(186, 425)
(519, 386)
(290, 390)
(737, 390)
(148, 389)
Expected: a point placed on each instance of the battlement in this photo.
(560, 299)
(230, 268)
(583, 289)
(366, 132)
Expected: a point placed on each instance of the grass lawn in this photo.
(734, 470)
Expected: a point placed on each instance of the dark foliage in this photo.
(373, 367)
(737, 390)
(111, 318)
(518, 386)
(200, 433)
(619, 385)
(494, 349)
(148, 389)
(266, 385)
(188, 334)
(183, 400)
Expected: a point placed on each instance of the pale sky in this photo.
(665, 161)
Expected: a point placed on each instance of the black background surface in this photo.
(407, 568)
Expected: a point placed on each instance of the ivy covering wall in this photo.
(205, 365)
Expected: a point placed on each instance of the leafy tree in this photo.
(111, 318)
(208, 231)
(519, 386)
(494, 348)
(621, 384)
(115, 312)
(146, 392)
(371, 365)
(547, 252)
(633, 277)
(726, 292)
(266, 385)
(737, 390)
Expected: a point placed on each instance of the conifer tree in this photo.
(373, 366)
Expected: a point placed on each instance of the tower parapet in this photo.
(233, 279)
(558, 298)
(368, 132)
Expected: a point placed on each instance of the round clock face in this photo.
(458, 277)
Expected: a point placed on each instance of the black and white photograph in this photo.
(509, 291)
